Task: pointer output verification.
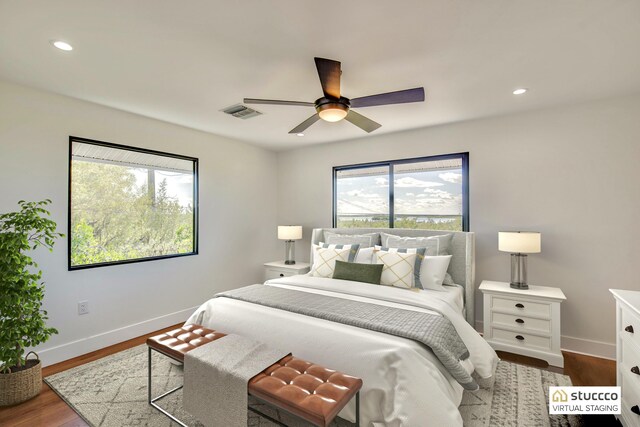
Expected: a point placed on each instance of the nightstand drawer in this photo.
(630, 380)
(629, 356)
(521, 307)
(629, 323)
(274, 273)
(521, 322)
(521, 339)
(630, 393)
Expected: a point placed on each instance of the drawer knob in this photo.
(635, 370)
(635, 409)
(520, 305)
(281, 274)
(629, 329)
(519, 321)
(519, 337)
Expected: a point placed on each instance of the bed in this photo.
(405, 384)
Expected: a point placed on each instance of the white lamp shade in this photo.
(524, 242)
(289, 232)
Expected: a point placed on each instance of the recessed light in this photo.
(61, 45)
(300, 134)
(520, 91)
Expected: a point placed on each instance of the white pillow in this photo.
(398, 268)
(364, 256)
(433, 271)
(325, 256)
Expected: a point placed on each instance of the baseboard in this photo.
(67, 351)
(603, 350)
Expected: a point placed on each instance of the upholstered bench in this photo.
(308, 391)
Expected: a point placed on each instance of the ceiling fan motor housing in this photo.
(332, 109)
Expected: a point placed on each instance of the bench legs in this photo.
(152, 400)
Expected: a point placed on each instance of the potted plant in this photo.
(22, 319)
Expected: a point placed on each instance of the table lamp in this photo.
(289, 233)
(519, 243)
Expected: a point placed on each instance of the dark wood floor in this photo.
(583, 371)
(49, 410)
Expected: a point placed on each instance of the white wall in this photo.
(237, 218)
(571, 173)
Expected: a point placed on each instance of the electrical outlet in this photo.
(83, 307)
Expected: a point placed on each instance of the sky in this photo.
(417, 193)
(179, 185)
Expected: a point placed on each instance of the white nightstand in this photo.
(524, 322)
(273, 270)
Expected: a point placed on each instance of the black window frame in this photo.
(464, 156)
(195, 161)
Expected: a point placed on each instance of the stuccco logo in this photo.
(584, 400)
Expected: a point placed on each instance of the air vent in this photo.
(241, 111)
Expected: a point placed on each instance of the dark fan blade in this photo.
(362, 122)
(277, 102)
(329, 72)
(399, 97)
(304, 125)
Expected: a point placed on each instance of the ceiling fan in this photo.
(333, 107)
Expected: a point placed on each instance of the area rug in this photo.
(112, 392)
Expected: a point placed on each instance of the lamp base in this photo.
(519, 271)
(289, 252)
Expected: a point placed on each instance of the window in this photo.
(427, 193)
(128, 204)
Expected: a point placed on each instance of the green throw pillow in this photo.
(367, 273)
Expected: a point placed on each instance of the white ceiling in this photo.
(183, 61)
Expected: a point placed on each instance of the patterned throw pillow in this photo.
(417, 266)
(325, 257)
(398, 268)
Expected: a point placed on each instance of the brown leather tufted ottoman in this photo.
(311, 392)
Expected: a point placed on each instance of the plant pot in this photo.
(21, 385)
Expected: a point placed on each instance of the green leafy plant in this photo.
(22, 319)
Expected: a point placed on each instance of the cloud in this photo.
(355, 207)
(361, 193)
(438, 193)
(383, 182)
(410, 194)
(410, 182)
(453, 177)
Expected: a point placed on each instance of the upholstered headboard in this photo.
(462, 267)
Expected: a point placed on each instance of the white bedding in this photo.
(404, 383)
(452, 295)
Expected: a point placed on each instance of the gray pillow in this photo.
(448, 280)
(364, 240)
(366, 273)
(435, 245)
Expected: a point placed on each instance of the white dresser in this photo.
(524, 322)
(628, 354)
(273, 270)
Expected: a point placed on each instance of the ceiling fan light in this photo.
(332, 114)
(332, 111)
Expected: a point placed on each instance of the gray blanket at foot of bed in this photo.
(216, 377)
(432, 330)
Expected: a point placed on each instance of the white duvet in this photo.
(404, 383)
